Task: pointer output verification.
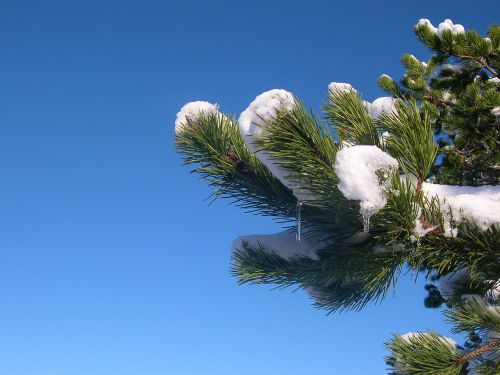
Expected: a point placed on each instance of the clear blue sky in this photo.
(110, 260)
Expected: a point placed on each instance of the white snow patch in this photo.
(420, 229)
(283, 244)
(368, 106)
(193, 111)
(264, 109)
(385, 135)
(446, 95)
(341, 86)
(425, 22)
(445, 25)
(454, 67)
(496, 111)
(382, 106)
(448, 25)
(356, 169)
(494, 80)
(494, 293)
(480, 204)
(447, 285)
(413, 57)
(488, 308)
(386, 76)
(415, 335)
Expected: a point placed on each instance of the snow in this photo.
(421, 229)
(417, 60)
(448, 284)
(488, 308)
(283, 244)
(496, 111)
(264, 109)
(193, 111)
(368, 106)
(493, 294)
(413, 57)
(480, 204)
(415, 335)
(382, 106)
(447, 24)
(356, 169)
(454, 67)
(341, 86)
(425, 22)
(400, 367)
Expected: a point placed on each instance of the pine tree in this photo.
(406, 182)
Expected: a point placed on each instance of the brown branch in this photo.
(483, 64)
(476, 353)
(436, 100)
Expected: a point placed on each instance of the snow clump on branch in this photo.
(380, 106)
(410, 336)
(283, 244)
(267, 107)
(193, 111)
(446, 25)
(357, 167)
(480, 204)
(449, 284)
(385, 105)
(341, 86)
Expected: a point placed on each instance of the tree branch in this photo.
(476, 353)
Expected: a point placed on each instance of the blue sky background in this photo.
(110, 260)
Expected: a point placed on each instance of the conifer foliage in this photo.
(408, 181)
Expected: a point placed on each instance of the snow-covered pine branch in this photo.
(409, 180)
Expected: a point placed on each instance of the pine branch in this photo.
(411, 139)
(474, 315)
(350, 117)
(345, 277)
(474, 249)
(425, 353)
(299, 143)
(213, 144)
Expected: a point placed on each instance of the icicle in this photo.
(366, 220)
(299, 220)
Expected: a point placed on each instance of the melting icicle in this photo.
(299, 220)
(366, 220)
